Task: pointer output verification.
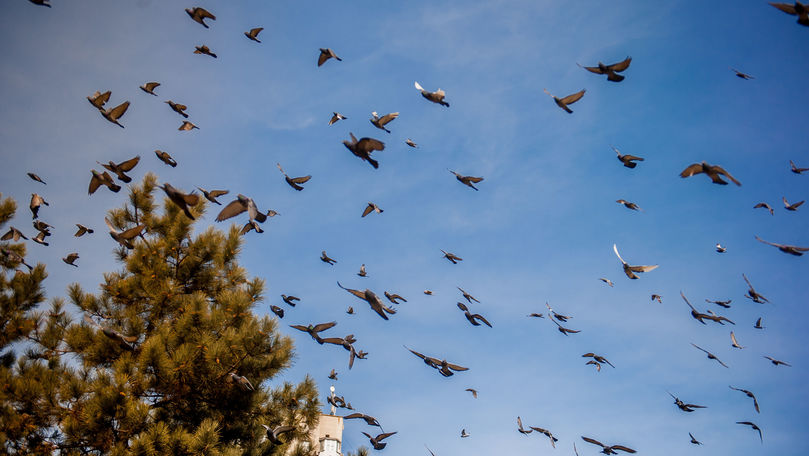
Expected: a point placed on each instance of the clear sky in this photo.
(540, 229)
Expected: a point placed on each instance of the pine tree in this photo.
(168, 358)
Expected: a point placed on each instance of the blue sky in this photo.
(540, 229)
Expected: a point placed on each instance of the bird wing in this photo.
(615, 248)
(233, 209)
(642, 268)
(418, 86)
(203, 13)
(692, 169)
(700, 348)
(150, 86)
(623, 448)
(785, 7)
(474, 179)
(95, 182)
(357, 293)
(119, 110)
(593, 441)
(324, 326)
(322, 58)
(301, 180)
(574, 97)
(370, 144)
(632, 157)
(595, 69)
(718, 169)
(416, 353)
(132, 232)
(388, 117)
(368, 210)
(254, 32)
(129, 164)
(686, 301)
(621, 66)
(456, 367)
(217, 193)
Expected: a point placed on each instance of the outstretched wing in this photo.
(615, 248)
(233, 209)
(785, 7)
(621, 66)
(721, 170)
(692, 169)
(572, 98)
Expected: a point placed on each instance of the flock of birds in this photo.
(363, 148)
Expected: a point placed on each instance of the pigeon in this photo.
(750, 395)
(113, 114)
(710, 355)
(294, 182)
(474, 319)
(469, 298)
(454, 259)
(362, 272)
(790, 249)
(473, 391)
(693, 440)
(240, 381)
(444, 368)
(36, 202)
(325, 258)
(183, 200)
(521, 429)
(435, 97)
(607, 281)
(750, 423)
(372, 207)
(598, 358)
(467, 180)
(36, 178)
(71, 258)
(564, 330)
(124, 237)
(377, 442)
(364, 147)
(253, 34)
(797, 9)
(98, 99)
(752, 294)
(553, 314)
(166, 158)
(568, 100)
(277, 311)
(725, 304)
(766, 206)
(608, 449)
(187, 126)
(314, 330)
(683, 406)
(333, 374)
(792, 207)
(290, 299)
(124, 341)
(410, 143)
(720, 249)
(242, 204)
(658, 298)
(758, 324)
(627, 160)
(204, 50)
(199, 15)
(350, 310)
(610, 70)
(335, 117)
(629, 205)
(212, 195)
(149, 87)
(777, 362)
(178, 108)
(9, 255)
(40, 238)
(795, 169)
(392, 297)
(326, 54)
(741, 75)
(631, 270)
(102, 179)
(547, 433)
(712, 171)
(369, 420)
(13, 233)
(273, 434)
(120, 169)
(428, 292)
(380, 122)
(371, 298)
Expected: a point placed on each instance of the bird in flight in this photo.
(630, 270)
(36, 178)
(37, 202)
(240, 205)
(694, 440)
(199, 15)
(120, 169)
(710, 355)
(568, 100)
(362, 272)
(204, 50)
(435, 97)
(752, 294)
(712, 171)
(741, 75)
(325, 258)
(658, 298)
(469, 298)
(410, 142)
(750, 395)
(610, 70)
(791, 207)
(607, 281)
(380, 122)
(766, 206)
(720, 249)
(166, 158)
(790, 249)
(683, 406)
(71, 258)
(733, 341)
(178, 108)
(469, 181)
(364, 147)
(392, 297)
(608, 449)
(372, 207)
(475, 319)
(113, 114)
(294, 182)
(213, 194)
(797, 9)
(99, 99)
(326, 54)
(627, 160)
(444, 367)
(315, 330)
(124, 237)
(371, 298)
(795, 169)
(755, 428)
(629, 205)
(253, 34)
(335, 117)
(777, 362)
(149, 87)
(183, 200)
(454, 259)
(102, 179)
(377, 442)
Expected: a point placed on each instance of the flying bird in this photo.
(315, 330)
(777, 362)
(790, 249)
(564, 330)
(333, 374)
(630, 270)
(149, 87)
(712, 171)
(444, 367)
(428, 292)
(369, 420)
(553, 314)
(610, 70)
(792, 207)
(364, 147)
(607, 281)
(183, 200)
(273, 434)
(240, 381)
(212, 195)
(795, 169)
(608, 449)
(710, 355)
(253, 34)
(98, 99)
(124, 237)
(629, 205)
(326, 54)
(165, 158)
(568, 100)
(435, 97)
(350, 310)
(627, 160)
(71, 258)
(290, 299)
(362, 272)
(380, 122)
(454, 259)
(547, 433)
(41, 2)
(741, 75)
(469, 298)
(475, 319)
(473, 391)
(598, 358)
(750, 395)
(335, 117)
(521, 429)
(178, 108)
(694, 440)
(469, 181)
(40, 238)
(12, 256)
(199, 15)
(120, 169)
(104, 179)
(13, 233)
(658, 298)
(125, 342)
(36, 178)
(242, 204)
(464, 434)
(750, 423)
(752, 294)
(294, 182)
(372, 207)
(392, 297)
(204, 50)
(410, 143)
(36, 202)
(683, 406)
(796, 9)
(377, 442)
(371, 298)
(725, 304)
(325, 258)
(758, 324)
(187, 126)
(113, 114)
(766, 206)
(277, 311)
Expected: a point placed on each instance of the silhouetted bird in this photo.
(294, 182)
(377, 442)
(750, 423)
(325, 258)
(796, 9)
(713, 171)
(568, 100)
(467, 180)
(795, 169)
(273, 434)
(149, 87)
(790, 249)
(752, 294)
(629, 205)
(166, 158)
(204, 50)
(750, 395)
(608, 449)
(71, 258)
(253, 34)
(766, 206)
(314, 330)
(611, 70)
(792, 207)
(627, 160)
(199, 15)
(741, 75)
(364, 147)
(326, 54)
(120, 169)
(36, 178)
(178, 108)
(183, 200)
(454, 259)
(213, 194)
(777, 362)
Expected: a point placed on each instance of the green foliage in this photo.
(147, 370)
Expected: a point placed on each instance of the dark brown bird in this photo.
(792, 207)
(199, 15)
(98, 99)
(536, 315)
(710, 355)
(274, 434)
(120, 169)
(41, 2)
(475, 319)
(113, 114)
(326, 54)
(294, 182)
(102, 179)
(629, 205)
(183, 200)
(71, 258)
(758, 324)
(435, 97)
(658, 298)
(568, 100)
(741, 75)
(204, 50)
(36, 178)
(9, 255)
(290, 299)
(469, 298)
(627, 160)
(454, 259)
(630, 270)
(713, 171)
(187, 126)
(564, 330)
(553, 314)
(36, 202)
(777, 362)
(547, 433)
(371, 298)
(444, 368)
(610, 70)
(750, 395)
(473, 391)
(598, 358)
(683, 406)
(467, 180)
(335, 117)
(725, 304)
(392, 297)
(325, 258)
(369, 420)
(752, 294)
(213, 194)
(149, 87)
(796, 9)
(242, 204)
(333, 374)
(277, 311)
(766, 206)
(790, 249)
(178, 108)
(750, 423)
(521, 429)
(364, 147)
(372, 207)
(380, 122)
(377, 442)
(314, 330)
(253, 34)
(13, 233)
(594, 363)
(166, 158)
(795, 169)
(608, 449)
(693, 440)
